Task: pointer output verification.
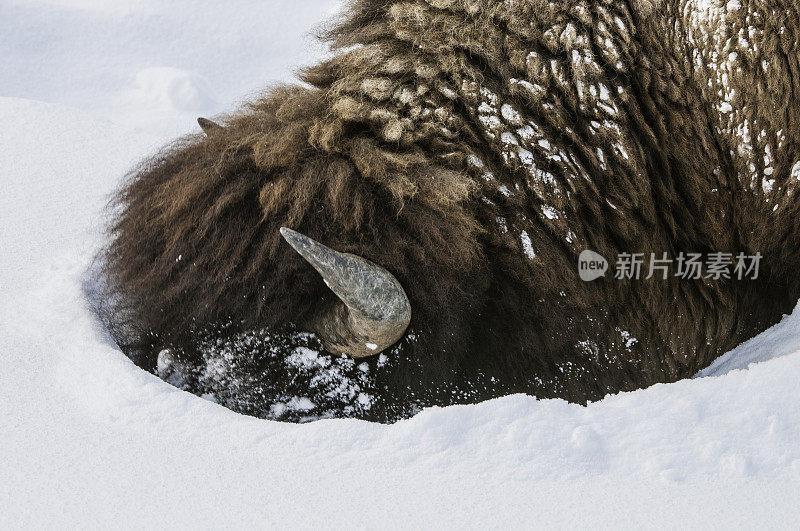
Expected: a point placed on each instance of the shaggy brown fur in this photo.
(474, 149)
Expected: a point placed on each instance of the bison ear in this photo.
(207, 125)
(374, 311)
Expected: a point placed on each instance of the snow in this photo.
(527, 245)
(781, 340)
(87, 88)
(150, 66)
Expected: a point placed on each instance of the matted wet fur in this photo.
(474, 149)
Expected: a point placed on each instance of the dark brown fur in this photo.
(378, 158)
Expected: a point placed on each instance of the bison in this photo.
(403, 230)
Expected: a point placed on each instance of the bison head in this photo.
(459, 156)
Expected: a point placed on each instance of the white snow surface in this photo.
(87, 88)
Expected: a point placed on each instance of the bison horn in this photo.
(375, 311)
(207, 125)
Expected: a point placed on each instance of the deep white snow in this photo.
(87, 87)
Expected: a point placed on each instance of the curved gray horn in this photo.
(375, 311)
(207, 125)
